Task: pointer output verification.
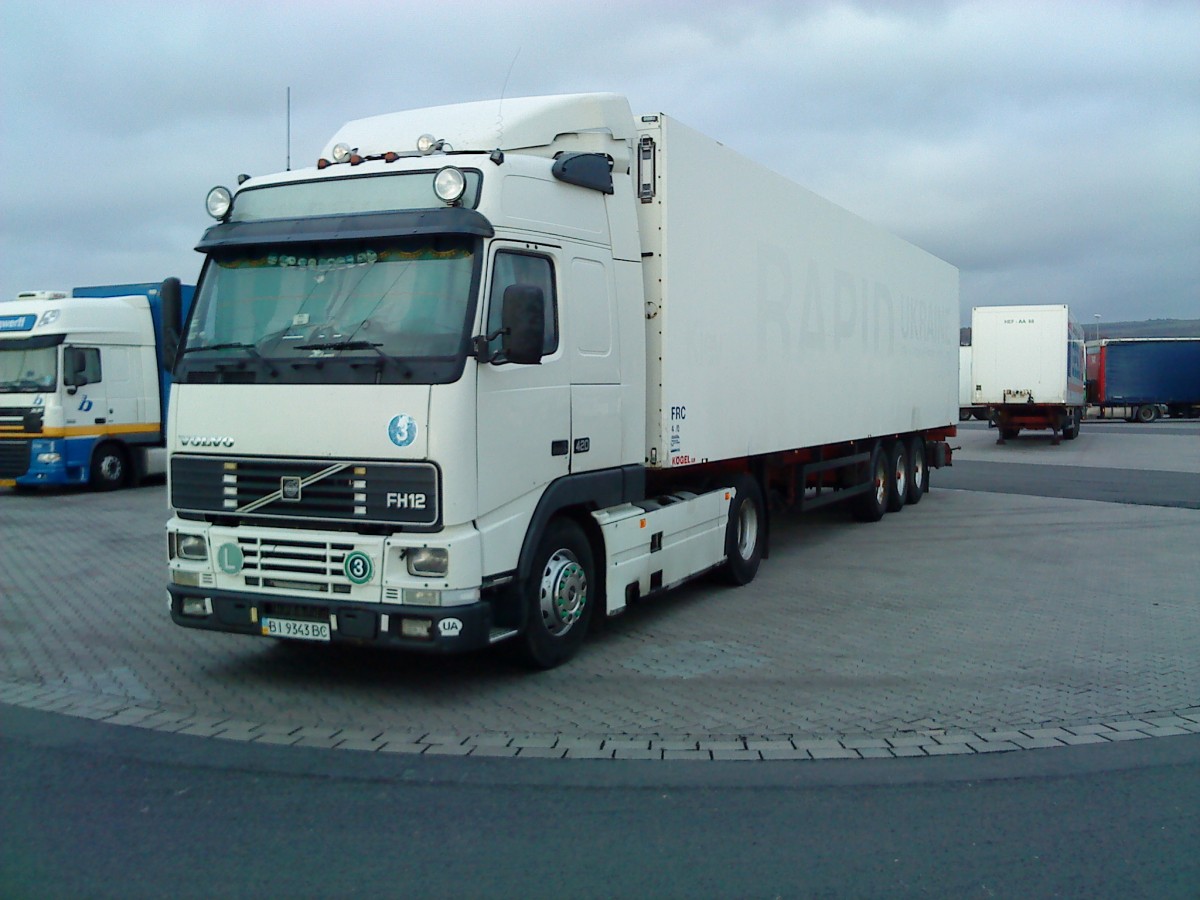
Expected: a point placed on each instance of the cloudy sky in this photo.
(1050, 150)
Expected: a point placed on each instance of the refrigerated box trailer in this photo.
(1142, 378)
(966, 407)
(1027, 369)
(488, 371)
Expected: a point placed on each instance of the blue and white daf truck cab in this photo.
(83, 387)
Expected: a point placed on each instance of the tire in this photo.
(981, 415)
(745, 532)
(871, 505)
(557, 596)
(898, 472)
(918, 470)
(1071, 429)
(1147, 414)
(110, 468)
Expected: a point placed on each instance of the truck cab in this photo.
(81, 387)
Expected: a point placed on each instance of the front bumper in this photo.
(427, 629)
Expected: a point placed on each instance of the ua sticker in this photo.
(450, 627)
(230, 558)
(402, 430)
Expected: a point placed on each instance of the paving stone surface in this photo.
(973, 622)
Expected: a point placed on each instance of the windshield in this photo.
(383, 311)
(28, 370)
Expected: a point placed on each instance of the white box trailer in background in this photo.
(1027, 365)
(966, 407)
(640, 337)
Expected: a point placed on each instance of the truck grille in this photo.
(14, 458)
(404, 494)
(291, 565)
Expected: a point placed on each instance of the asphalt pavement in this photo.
(1025, 636)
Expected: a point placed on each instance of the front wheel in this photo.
(1147, 414)
(558, 596)
(110, 468)
(745, 531)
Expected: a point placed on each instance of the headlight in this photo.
(49, 459)
(340, 153)
(428, 562)
(219, 202)
(449, 184)
(193, 547)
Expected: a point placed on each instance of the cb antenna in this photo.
(289, 128)
(503, 91)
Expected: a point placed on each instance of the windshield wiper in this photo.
(344, 345)
(356, 345)
(233, 345)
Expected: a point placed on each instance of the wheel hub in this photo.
(563, 594)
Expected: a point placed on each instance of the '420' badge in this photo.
(402, 430)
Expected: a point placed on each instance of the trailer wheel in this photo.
(110, 468)
(745, 532)
(1071, 429)
(558, 598)
(898, 476)
(918, 470)
(870, 506)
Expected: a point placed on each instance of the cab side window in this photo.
(524, 268)
(82, 366)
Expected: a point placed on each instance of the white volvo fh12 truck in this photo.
(489, 372)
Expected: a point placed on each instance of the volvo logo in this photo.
(289, 488)
(205, 441)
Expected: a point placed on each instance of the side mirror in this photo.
(74, 367)
(524, 320)
(172, 324)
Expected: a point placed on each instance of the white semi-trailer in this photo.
(1027, 369)
(489, 371)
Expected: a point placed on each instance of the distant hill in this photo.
(1150, 328)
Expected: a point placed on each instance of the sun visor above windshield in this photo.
(321, 229)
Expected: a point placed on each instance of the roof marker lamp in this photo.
(449, 184)
(219, 202)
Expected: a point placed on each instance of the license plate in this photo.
(300, 631)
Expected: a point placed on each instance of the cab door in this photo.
(524, 411)
(86, 402)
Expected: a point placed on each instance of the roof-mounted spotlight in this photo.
(427, 144)
(449, 184)
(219, 202)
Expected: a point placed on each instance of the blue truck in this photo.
(83, 385)
(1143, 378)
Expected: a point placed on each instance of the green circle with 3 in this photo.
(358, 567)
